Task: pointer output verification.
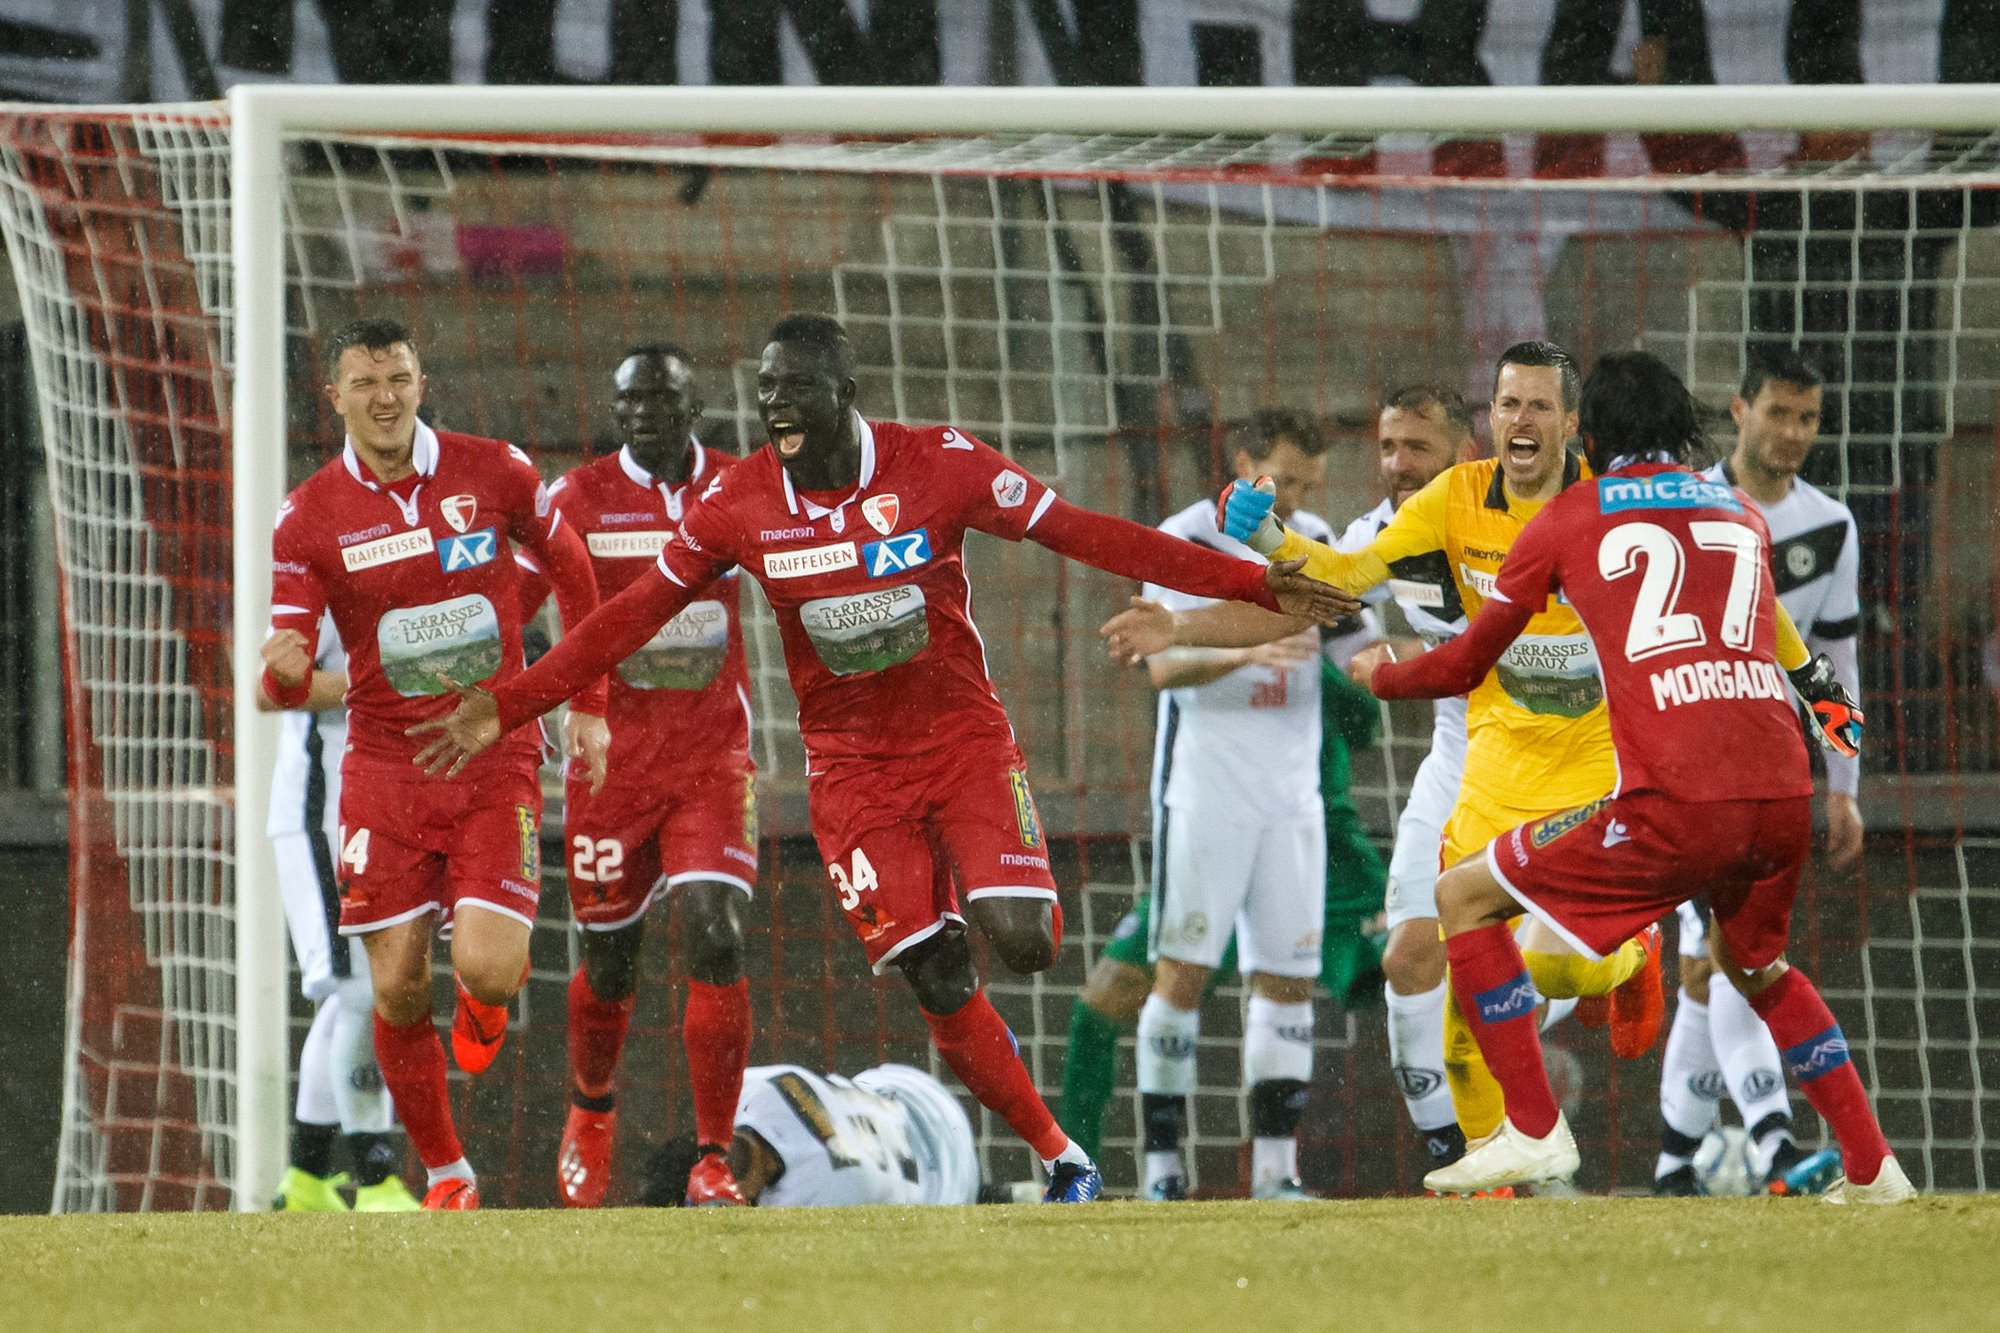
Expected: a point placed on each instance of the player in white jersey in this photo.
(1422, 430)
(1717, 1042)
(1228, 858)
(891, 1134)
(340, 1087)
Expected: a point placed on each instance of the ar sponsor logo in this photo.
(812, 560)
(458, 510)
(467, 552)
(1666, 490)
(388, 550)
(897, 554)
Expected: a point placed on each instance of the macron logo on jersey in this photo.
(812, 560)
(1664, 490)
(388, 550)
(897, 554)
(469, 551)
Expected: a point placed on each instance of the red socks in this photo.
(596, 1036)
(412, 1060)
(715, 1028)
(976, 1044)
(1815, 1051)
(1489, 979)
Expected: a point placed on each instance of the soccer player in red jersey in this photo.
(405, 538)
(676, 811)
(919, 795)
(1670, 573)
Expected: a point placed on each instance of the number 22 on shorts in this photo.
(851, 888)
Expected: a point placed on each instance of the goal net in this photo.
(1105, 307)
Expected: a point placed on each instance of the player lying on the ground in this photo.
(406, 537)
(1537, 738)
(340, 1087)
(1422, 430)
(919, 795)
(675, 813)
(1671, 574)
(1232, 872)
(891, 1134)
(1717, 1043)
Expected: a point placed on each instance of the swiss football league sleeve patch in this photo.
(1545, 831)
(531, 843)
(1026, 821)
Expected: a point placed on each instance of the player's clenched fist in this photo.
(1243, 511)
(1361, 667)
(286, 658)
(587, 740)
(459, 734)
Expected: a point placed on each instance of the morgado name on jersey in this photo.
(1719, 678)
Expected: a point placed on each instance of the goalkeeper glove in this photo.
(1244, 512)
(1832, 716)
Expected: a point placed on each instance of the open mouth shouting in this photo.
(787, 435)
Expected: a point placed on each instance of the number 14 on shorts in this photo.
(851, 887)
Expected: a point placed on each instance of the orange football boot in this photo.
(711, 1185)
(583, 1163)
(1639, 1006)
(453, 1194)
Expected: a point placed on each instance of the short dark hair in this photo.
(822, 332)
(1427, 397)
(1634, 404)
(377, 335)
(1542, 353)
(1766, 361)
(1269, 427)
(661, 351)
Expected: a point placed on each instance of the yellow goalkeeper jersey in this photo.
(1537, 735)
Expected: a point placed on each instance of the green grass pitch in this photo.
(1529, 1266)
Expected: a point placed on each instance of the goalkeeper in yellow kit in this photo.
(1539, 742)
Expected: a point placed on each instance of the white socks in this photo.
(1416, 1056)
(1690, 1085)
(1166, 1048)
(1277, 1069)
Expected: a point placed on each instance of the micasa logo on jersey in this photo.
(881, 512)
(893, 555)
(1664, 490)
(1029, 823)
(1545, 831)
(469, 551)
(458, 510)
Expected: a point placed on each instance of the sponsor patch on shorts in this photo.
(1545, 831)
(530, 829)
(1026, 820)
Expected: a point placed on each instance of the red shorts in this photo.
(904, 839)
(411, 844)
(1601, 873)
(629, 844)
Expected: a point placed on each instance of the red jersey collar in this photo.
(638, 476)
(813, 509)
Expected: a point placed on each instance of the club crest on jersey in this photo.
(1545, 831)
(881, 512)
(1009, 490)
(467, 552)
(1664, 490)
(894, 555)
(458, 510)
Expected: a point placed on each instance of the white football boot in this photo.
(1509, 1157)
(1889, 1186)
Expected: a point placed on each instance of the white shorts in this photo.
(1694, 931)
(1413, 863)
(312, 915)
(1264, 883)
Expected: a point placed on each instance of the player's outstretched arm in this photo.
(1450, 668)
(1120, 546)
(1244, 512)
(1148, 628)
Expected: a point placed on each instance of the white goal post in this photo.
(262, 118)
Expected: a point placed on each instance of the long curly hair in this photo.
(1634, 406)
